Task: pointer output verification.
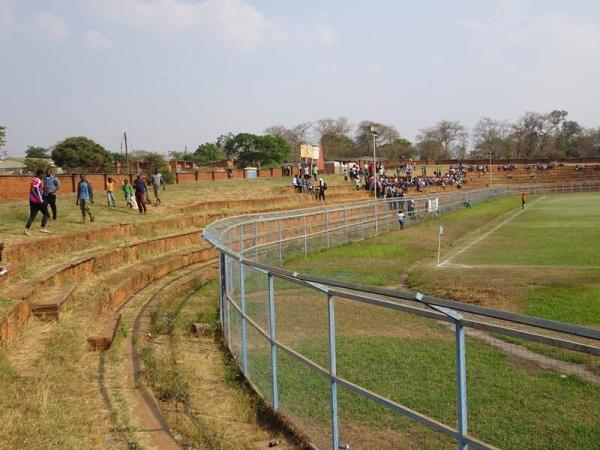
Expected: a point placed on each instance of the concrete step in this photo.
(50, 307)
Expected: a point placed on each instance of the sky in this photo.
(177, 73)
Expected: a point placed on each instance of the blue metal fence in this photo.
(251, 246)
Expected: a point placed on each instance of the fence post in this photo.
(280, 239)
(461, 385)
(273, 348)
(335, 439)
(362, 224)
(221, 290)
(376, 226)
(327, 226)
(256, 239)
(244, 323)
(345, 224)
(242, 240)
(305, 239)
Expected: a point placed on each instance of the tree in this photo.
(32, 165)
(2, 136)
(81, 153)
(450, 135)
(490, 135)
(36, 152)
(155, 161)
(261, 151)
(208, 153)
(337, 146)
(294, 136)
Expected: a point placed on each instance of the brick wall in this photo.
(16, 187)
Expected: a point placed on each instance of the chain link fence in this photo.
(371, 367)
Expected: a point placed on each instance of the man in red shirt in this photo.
(523, 195)
(36, 203)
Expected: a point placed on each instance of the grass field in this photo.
(543, 261)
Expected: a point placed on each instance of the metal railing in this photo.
(287, 330)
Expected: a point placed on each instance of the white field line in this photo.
(514, 266)
(483, 236)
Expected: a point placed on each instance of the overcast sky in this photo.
(180, 72)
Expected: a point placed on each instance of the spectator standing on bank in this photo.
(51, 186)
(36, 203)
(110, 192)
(315, 172)
(140, 193)
(322, 189)
(523, 200)
(128, 192)
(157, 182)
(85, 197)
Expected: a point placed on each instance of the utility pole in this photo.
(126, 154)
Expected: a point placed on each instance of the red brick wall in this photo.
(16, 187)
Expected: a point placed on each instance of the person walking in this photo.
(157, 182)
(128, 192)
(36, 203)
(51, 186)
(523, 200)
(85, 197)
(110, 192)
(401, 219)
(140, 193)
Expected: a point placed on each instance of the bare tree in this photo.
(451, 136)
(491, 136)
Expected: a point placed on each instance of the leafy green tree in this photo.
(36, 152)
(155, 161)
(32, 165)
(338, 146)
(263, 151)
(81, 153)
(117, 157)
(208, 153)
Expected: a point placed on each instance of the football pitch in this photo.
(542, 261)
(560, 231)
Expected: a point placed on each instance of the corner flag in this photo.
(441, 230)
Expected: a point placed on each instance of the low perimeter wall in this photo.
(16, 187)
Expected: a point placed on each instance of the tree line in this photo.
(534, 135)
(549, 135)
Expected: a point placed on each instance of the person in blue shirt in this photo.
(51, 186)
(85, 197)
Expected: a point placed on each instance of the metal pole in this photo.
(374, 167)
(376, 225)
(335, 440)
(273, 347)
(221, 290)
(461, 386)
(305, 239)
(242, 240)
(362, 224)
(280, 240)
(256, 240)
(345, 224)
(327, 226)
(244, 323)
